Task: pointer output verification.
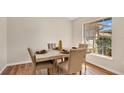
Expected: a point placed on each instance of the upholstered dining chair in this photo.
(74, 64)
(51, 46)
(83, 46)
(40, 65)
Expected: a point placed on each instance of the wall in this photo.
(3, 44)
(35, 32)
(116, 63)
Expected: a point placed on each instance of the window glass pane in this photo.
(105, 26)
(98, 36)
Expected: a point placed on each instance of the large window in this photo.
(98, 36)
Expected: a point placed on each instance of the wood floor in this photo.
(26, 69)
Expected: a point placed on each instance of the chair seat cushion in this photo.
(44, 64)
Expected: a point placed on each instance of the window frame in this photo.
(94, 38)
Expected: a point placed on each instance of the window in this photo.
(98, 36)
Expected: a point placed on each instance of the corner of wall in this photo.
(3, 43)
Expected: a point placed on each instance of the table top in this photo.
(50, 55)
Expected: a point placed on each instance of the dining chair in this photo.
(74, 64)
(85, 46)
(51, 46)
(40, 65)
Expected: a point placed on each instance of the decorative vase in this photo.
(60, 45)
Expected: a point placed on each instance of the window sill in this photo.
(102, 56)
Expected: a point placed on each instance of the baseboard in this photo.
(3, 69)
(111, 70)
(116, 72)
(17, 63)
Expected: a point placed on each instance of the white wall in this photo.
(3, 44)
(116, 64)
(35, 32)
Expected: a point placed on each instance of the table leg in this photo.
(85, 68)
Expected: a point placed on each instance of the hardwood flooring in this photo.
(26, 69)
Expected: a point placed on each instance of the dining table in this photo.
(51, 55)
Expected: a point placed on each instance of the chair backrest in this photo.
(32, 56)
(83, 46)
(76, 60)
(51, 46)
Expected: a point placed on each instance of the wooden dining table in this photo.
(51, 55)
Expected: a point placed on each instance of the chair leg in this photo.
(48, 71)
(34, 72)
(52, 71)
(85, 68)
(59, 71)
(80, 72)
